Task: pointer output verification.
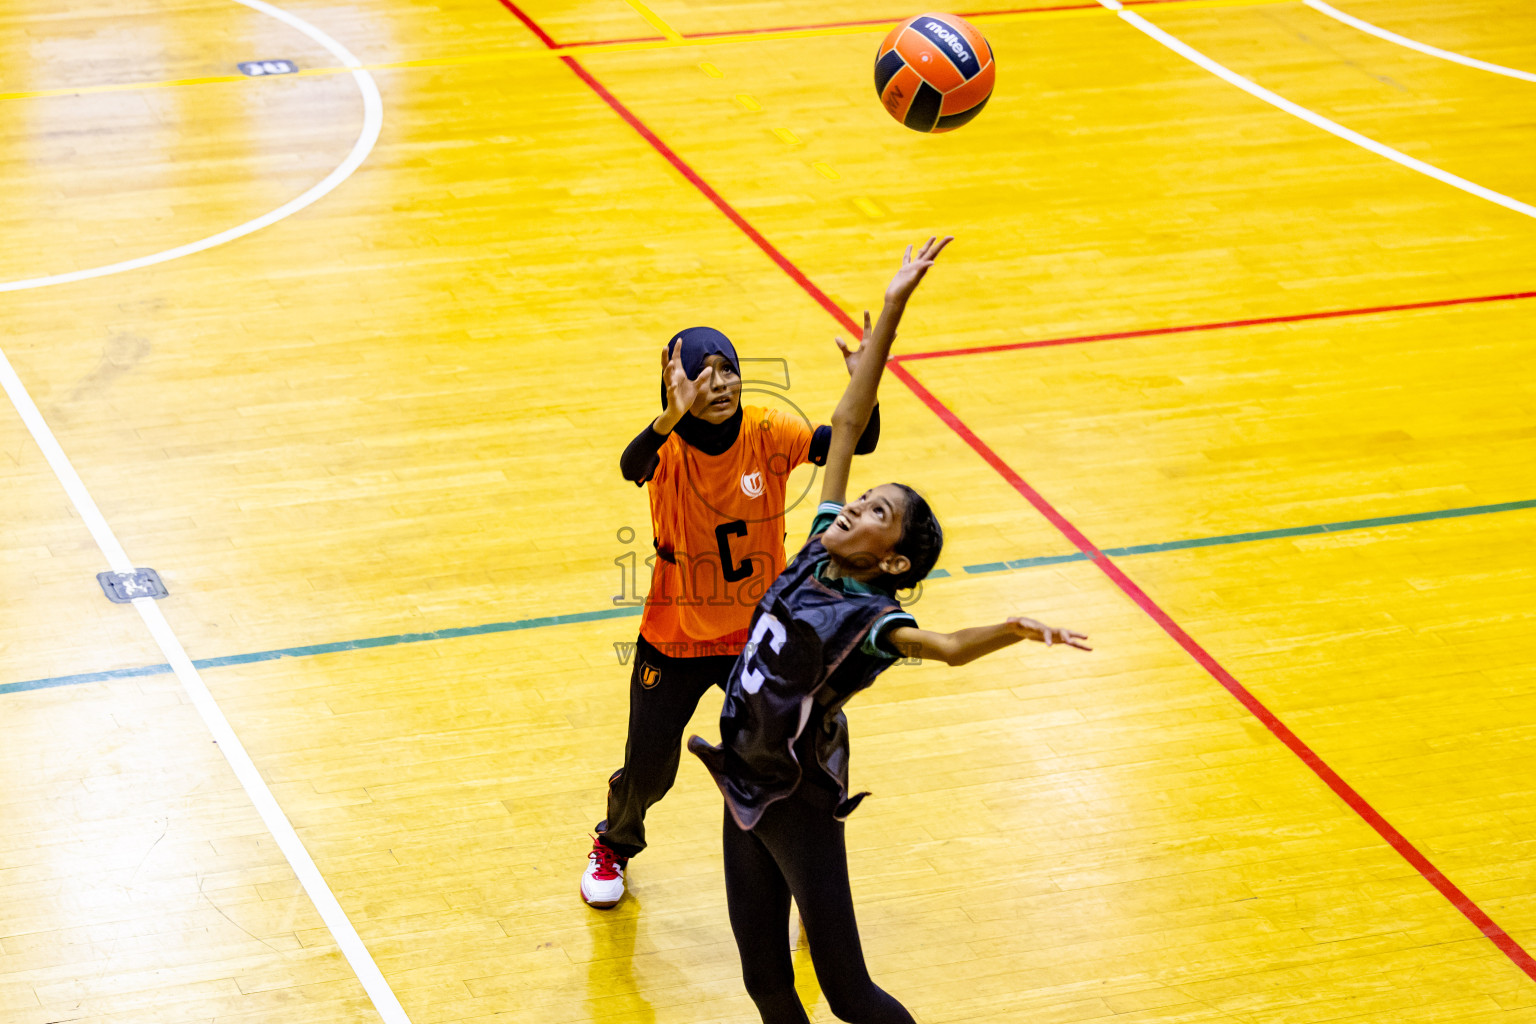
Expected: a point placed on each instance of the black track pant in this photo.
(797, 850)
(663, 693)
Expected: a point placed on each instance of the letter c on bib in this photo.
(751, 678)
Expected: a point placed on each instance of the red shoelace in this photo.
(607, 863)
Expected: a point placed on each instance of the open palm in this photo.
(681, 391)
(913, 268)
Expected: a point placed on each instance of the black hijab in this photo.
(699, 343)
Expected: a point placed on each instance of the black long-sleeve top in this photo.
(641, 457)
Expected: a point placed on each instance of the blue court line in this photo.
(633, 611)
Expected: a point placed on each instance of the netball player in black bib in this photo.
(826, 628)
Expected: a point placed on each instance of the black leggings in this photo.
(663, 693)
(797, 850)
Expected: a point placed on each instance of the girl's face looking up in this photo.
(865, 533)
(719, 393)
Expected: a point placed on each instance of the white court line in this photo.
(373, 119)
(266, 804)
(1433, 51)
(1188, 52)
(347, 939)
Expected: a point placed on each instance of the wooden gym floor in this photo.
(1253, 406)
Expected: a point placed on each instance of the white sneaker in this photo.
(602, 883)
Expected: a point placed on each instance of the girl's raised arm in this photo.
(852, 413)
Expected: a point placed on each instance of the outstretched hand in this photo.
(913, 268)
(681, 392)
(1039, 632)
(850, 356)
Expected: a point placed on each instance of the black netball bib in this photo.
(802, 631)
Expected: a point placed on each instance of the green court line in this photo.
(1244, 538)
(332, 648)
(85, 677)
(633, 611)
(1024, 563)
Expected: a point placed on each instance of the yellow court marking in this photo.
(787, 137)
(825, 170)
(869, 207)
(654, 20)
(748, 102)
(673, 40)
(131, 86)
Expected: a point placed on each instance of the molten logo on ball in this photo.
(943, 34)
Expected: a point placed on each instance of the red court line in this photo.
(1149, 332)
(1357, 803)
(1309, 757)
(699, 183)
(531, 25)
(874, 22)
(1093, 6)
(991, 458)
(892, 21)
(689, 174)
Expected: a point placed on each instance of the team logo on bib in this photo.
(752, 485)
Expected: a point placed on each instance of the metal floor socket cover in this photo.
(123, 587)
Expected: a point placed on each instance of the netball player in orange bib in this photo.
(716, 473)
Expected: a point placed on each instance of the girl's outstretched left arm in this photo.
(967, 645)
